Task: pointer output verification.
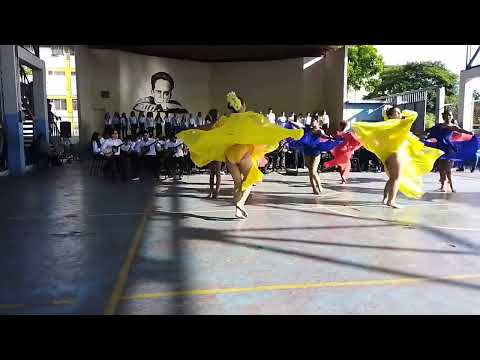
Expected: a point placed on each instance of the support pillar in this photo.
(439, 104)
(40, 103)
(10, 87)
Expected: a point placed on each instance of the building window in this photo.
(59, 73)
(60, 104)
(50, 72)
(75, 104)
(74, 73)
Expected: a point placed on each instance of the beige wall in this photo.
(283, 85)
(266, 84)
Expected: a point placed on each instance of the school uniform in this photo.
(133, 125)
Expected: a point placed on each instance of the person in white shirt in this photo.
(124, 125)
(308, 119)
(158, 125)
(325, 119)
(141, 122)
(108, 123)
(150, 122)
(175, 148)
(146, 149)
(200, 121)
(292, 116)
(301, 119)
(111, 151)
(96, 144)
(192, 122)
(282, 119)
(271, 116)
(133, 123)
(116, 122)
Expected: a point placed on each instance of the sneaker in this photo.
(136, 179)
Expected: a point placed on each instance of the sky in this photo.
(453, 56)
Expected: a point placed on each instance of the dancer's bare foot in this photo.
(215, 195)
(321, 189)
(394, 205)
(240, 212)
(384, 201)
(209, 196)
(315, 192)
(442, 190)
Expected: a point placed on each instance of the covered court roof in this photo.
(225, 53)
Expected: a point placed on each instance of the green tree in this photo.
(414, 76)
(364, 66)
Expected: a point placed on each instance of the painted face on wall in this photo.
(162, 93)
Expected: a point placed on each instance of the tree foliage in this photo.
(364, 66)
(414, 76)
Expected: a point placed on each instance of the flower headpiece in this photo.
(234, 101)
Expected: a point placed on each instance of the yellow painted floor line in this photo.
(122, 277)
(327, 284)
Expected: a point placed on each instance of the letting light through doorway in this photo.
(311, 62)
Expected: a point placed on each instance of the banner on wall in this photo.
(161, 98)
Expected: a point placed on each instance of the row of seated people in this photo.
(168, 156)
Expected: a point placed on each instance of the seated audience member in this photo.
(146, 149)
(111, 151)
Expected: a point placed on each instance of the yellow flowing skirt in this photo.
(234, 137)
(393, 136)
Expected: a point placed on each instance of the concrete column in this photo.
(9, 69)
(439, 104)
(465, 98)
(335, 84)
(40, 103)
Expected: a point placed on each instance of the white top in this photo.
(282, 119)
(96, 148)
(102, 140)
(192, 122)
(127, 147)
(108, 121)
(150, 142)
(325, 119)
(308, 120)
(132, 120)
(141, 119)
(200, 121)
(107, 146)
(271, 117)
(123, 121)
(150, 122)
(177, 143)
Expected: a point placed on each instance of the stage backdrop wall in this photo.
(111, 80)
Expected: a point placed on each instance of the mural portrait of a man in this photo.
(161, 99)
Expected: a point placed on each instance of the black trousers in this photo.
(124, 132)
(174, 164)
(142, 128)
(133, 129)
(147, 161)
(116, 165)
(150, 130)
(108, 129)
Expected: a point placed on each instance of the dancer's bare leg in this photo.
(215, 175)
(449, 174)
(309, 165)
(245, 165)
(386, 190)
(442, 169)
(316, 177)
(234, 170)
(394, 165)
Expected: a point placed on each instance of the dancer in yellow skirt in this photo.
(241, 140)
(405, 157)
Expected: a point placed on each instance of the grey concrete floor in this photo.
(65, 237)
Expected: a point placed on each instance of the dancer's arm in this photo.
(459, 130)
